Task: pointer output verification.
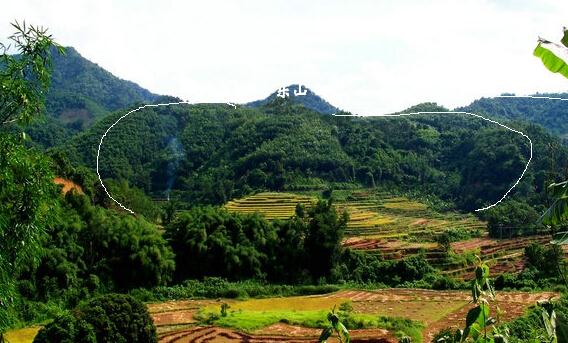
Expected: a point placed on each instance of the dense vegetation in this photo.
(221, 153)
(550, 114)
(110, 318)
(80, 93)
(63, 254)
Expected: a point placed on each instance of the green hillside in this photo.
(550, 114)
(80, 92)
(226, 153)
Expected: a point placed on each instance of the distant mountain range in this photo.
(210, 153)
(81, 92)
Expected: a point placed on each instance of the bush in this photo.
(511, 218)
(115, 318)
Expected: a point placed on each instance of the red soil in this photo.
(68, 185)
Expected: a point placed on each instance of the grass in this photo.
(25, 335)
(253, 320)
(247, 320)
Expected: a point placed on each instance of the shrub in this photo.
(113, 318)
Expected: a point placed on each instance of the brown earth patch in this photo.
(68, 185)
(436, 309)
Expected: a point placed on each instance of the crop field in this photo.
(377, 216)
(373, 216)
(396, 227)
(270, 205)
(24, 335)
(502, 255)
(277, 319)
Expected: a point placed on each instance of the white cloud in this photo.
(365, 56)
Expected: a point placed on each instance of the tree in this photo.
(25, 175)
(115, 318)
(25, 77)
(126, 251)
(323, 239)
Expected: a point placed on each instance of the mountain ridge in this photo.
(310, 99)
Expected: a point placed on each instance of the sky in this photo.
(366, 57)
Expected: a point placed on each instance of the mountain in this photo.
(211, 153)
(75, 75)
(309, 100)
(550, 114)
(80, 92)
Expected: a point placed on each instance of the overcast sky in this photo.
(367, 57)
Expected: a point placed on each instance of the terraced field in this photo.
(435, 309)
(377, 216)
(270, 205)
(373, 216)
(502, 255)
(396, 227)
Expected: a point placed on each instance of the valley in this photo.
(272, 220)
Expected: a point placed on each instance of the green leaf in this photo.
(343, 333)
(565, 38)
(472, 316)
(483, 315)
(485, 269)
(325, 334)
(474, 291)
(475, 331)
(560, 238)
(556, 214)
(553, 56)
(557, 190)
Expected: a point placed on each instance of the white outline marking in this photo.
(478, 116)
(353, 115)
(116, 122)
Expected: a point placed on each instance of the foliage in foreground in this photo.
(113, 318)
(25, 178)
(479, 322)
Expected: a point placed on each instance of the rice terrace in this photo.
(395, 227)
(273, 319)
(423, 200)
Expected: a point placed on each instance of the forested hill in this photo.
(74, 74)
(551, 114)
(213, 153)
(309, 100)
(80, 92)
